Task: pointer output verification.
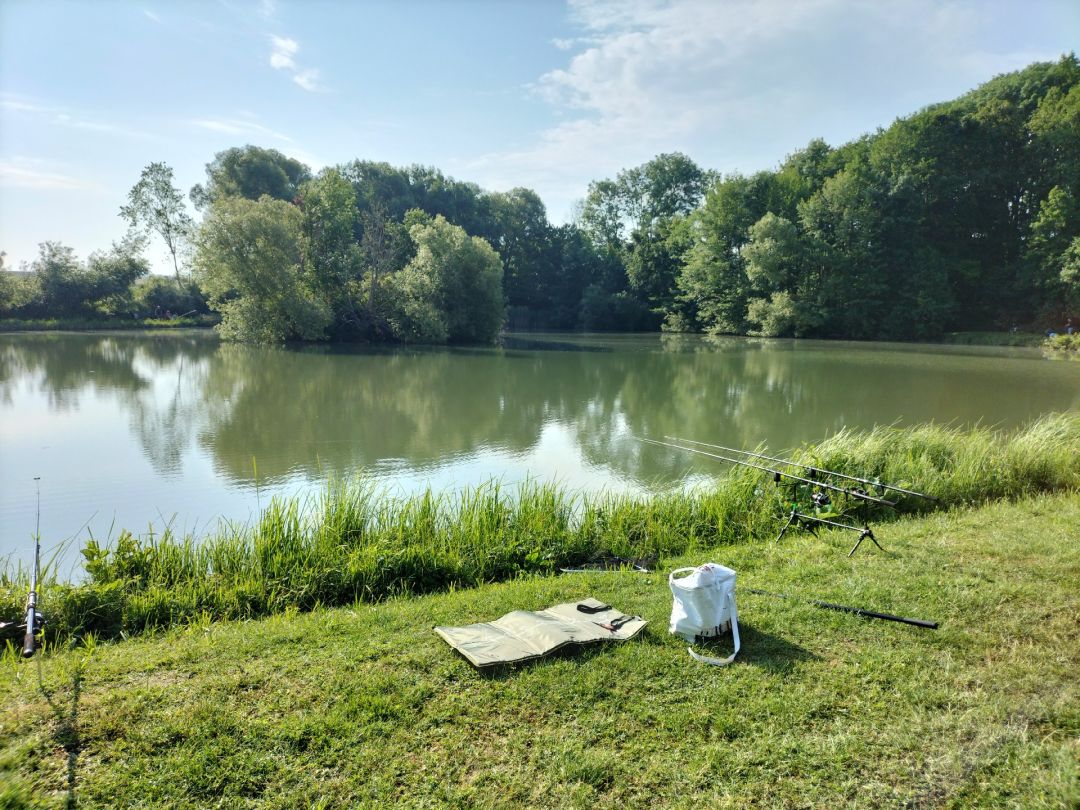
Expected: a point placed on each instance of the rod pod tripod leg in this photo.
(790, 520)
(862, 536)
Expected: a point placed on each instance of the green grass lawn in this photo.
(366, 706)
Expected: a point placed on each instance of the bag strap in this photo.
(722, 662)
(671, 576)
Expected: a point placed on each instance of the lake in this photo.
(129, 430)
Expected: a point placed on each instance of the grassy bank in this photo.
(357, 545)
(109, 324)
(994, 338)
(365, 706)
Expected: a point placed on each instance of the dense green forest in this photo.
(963, 216)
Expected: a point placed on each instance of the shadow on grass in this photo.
(66, 734)
(759, 649)
(582, 653)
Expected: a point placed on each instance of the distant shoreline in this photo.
(1020, 339)
(112, 324)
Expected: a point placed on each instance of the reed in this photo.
(355, 543)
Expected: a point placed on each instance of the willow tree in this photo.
(451, 291)
(248, 261)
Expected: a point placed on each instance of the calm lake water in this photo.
(128, 430)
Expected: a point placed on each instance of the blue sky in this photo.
(547, 95)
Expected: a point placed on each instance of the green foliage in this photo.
(961, 217)
(667, 186)
(331, 256)
(249, 263)
(60, 285)
(639, 220)
(450, 291)
(958, 217)
(1066, 344)
(524, 239)
(59, 278)
(157, 295)
(112, 275)
(155, 204)
(602, 311)
(1070, 273)
(775, 316)
(773, 253)
(250, 172)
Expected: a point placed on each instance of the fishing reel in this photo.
(10, 631)
(821, 501)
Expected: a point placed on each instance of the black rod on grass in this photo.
(870, 614)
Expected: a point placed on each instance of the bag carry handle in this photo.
(671, 576)
(722, 662)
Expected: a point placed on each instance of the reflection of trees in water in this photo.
(167, 417)
(62, 366)
(155, 378)
(340, 411)
(337, 409)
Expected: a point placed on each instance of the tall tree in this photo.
(330, 254)
(156, 204)
(450, 291)
(250, 172)
(248, 261)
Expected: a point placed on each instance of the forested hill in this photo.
(962, 216)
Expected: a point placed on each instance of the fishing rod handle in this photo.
(29, 642)
(873, 614)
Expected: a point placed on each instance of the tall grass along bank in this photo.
(356, 544)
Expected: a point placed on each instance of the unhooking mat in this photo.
(523, 634)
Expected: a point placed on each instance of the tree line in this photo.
(963, 216)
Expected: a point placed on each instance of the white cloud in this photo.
(563, 44)
(18, 105)
(735, 81)
(233, 126)
(308, 79)
(282, 52)
(283, 57)
(27, 173)
(67, 120)
(151, 16)
(268, 9)
(60, 116)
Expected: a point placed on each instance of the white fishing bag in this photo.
(704, 607)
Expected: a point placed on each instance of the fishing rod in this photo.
(34, 620)
(778, 474)
(810, 467)
(870, 614)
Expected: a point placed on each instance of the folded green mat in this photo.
(523, 634)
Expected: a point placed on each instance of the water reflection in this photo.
(208, 418)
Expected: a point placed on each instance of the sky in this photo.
(504, 93)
